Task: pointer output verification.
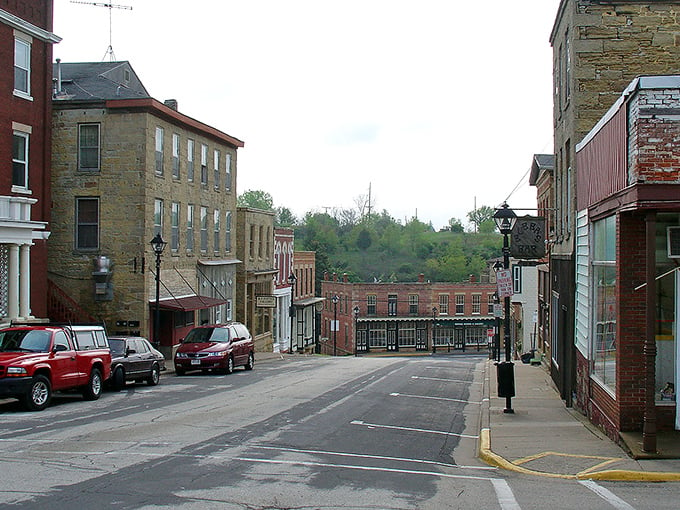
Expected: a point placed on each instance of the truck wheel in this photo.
(155, 376)
(39, 394)
(94, 387)
(118, 379)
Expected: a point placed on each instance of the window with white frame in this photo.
(159, 150)
(460, 304)
(413, 304)
(174, 226)
(227, 232)
(216, 230)
(190, 227)
(476, 304)
(392, 304)
(216, 161)
(20, 142)
(158, 216)
(22, 66)
(443, 304)
(228, 310)
(88, 147)
(490, 300)
(175, 156)
(87, 223)
(517, 279)
(227, 177)
(190, 160)
(204, 229)
(204, 164)
(371, 301)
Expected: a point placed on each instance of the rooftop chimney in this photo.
(171, 103)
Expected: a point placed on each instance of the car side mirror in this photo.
(59, 348)
(130, 351)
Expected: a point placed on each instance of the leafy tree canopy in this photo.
(257, 199)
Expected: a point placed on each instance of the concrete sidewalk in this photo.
(545, 438)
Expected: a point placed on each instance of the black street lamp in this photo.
(356, 328)
(498, 265)
(505, 219)
(292, 280)
(158, 246)
(434, 316)
(335, 300)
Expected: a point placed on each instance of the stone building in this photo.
(126, 168)
(599, 46)
(256, 274)
(26, 41)
(415, 316)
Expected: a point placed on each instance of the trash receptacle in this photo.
(506, 379)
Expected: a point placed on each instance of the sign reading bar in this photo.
(265, 301)
(528, 238)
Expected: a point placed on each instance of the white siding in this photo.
(582, 316)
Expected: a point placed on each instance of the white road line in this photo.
(363, 468)
(504, 495)
(377, 457)
(411, 429)
(426, 397)
(607, 495)
(444, 379)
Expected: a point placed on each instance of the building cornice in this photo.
(28, 28)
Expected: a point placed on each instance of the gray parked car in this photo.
(134, 359)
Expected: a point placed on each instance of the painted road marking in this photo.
(607, 495)
(444, 379)
(411, 429)
(434, 398)
(504, 495)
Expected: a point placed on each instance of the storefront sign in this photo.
(265, 301)
(528, 238)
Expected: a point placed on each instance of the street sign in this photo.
(504, 282)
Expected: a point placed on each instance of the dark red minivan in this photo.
(218, 347)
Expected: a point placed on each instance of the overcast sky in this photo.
(436, 104)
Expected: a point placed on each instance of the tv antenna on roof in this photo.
(109, 50)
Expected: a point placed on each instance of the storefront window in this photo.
(604, 302)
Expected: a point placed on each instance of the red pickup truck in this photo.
(37, 359)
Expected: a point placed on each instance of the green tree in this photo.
(455, 225)
(285, 217)
(480, 215)
(364, 239)
(257, 199)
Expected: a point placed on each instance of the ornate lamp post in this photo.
(335, 300)
(292, 280)
(158, 246)
(505, 219)
(498, 265)
(356, 328)
(434, 316)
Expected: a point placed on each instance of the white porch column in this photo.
(25, 281)
(13, 282)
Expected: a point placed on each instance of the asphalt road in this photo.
(300, 432)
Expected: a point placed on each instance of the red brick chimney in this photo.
(345, 278)
(421, 278)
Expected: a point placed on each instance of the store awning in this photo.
(188, 303)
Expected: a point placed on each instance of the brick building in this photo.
(628, 287)
(26, 41)
(416, 316)
(284, 244)
(256, 275)
(599, 46)
(126, 167)
(306, 305)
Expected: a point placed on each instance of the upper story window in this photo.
(216, 230)
(227, 177)
(22, 67)
(88, 147)
(190, 160)
(20, 159)
(190, 227)
(175, 156)
(413, 304)
(174, 226)
(159, 150)
(227, 231)
(392, 304)
(490, 301)
(476, 304)
(216, 159)
(371, 301)
(158, 216)
(251, 243)
(443, 304)
(204, 164)
(87, 223)
(517, 279)
(460, 304)
(204, 229)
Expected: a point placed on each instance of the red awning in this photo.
(188, 303)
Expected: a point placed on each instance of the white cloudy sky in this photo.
(436, 104)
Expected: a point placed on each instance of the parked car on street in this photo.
(38, 359)
(134, 359)
(219, 347)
